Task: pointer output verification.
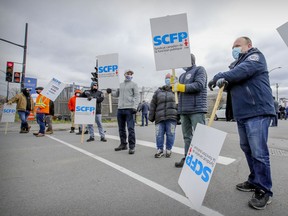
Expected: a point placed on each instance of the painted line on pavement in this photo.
(178, 197)
(221, 160)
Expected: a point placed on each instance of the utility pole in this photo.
(277, 86)
(24, 54)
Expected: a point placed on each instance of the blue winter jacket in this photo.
(249, 86)
(194, 99)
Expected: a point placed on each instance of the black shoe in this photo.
(90, 139)
(246, 186)
(103, 139)
(132, 151)
(79, 133)
(180, 164)
(86, 132)
(260, 200)
(121, 147)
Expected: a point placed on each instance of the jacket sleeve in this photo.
(199, 82)
(100, 97)
(153, 105)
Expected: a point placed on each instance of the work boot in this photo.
(79, 132)
(49, 131)
(86, 132)
(103, 139)
(90, 139)
(180, 164)
(23, 130)
(72, 129)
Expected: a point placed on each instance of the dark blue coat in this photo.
(249, 86)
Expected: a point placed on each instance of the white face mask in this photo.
(128, 77)
(236, 52)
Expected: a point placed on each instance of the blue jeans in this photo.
(40, 117)
(188, 123)
(253, 134)
(23, 115)
(144, 117)
(167, 127)
(98, 120)
(125, 116)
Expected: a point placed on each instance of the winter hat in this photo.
(39, 88)
(93, 83)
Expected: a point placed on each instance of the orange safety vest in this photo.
(42, 104)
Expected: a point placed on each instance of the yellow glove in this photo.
(179, 88)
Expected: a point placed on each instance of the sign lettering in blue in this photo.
(9, 111)
(85, 109)
(170, 38)
(107, 68)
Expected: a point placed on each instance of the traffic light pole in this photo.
(24, 54)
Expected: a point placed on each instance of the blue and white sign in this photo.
(171, 42)
(108, 71)
(30, 83)
(85, 111)
(283, 31)
(8, 113)
(200, 163)
(53, 89)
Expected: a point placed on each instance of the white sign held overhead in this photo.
(85, 111)
(53, 89)
(171, 42)
(283, 31)
(200, 163)
(108, 72)
(8, 113)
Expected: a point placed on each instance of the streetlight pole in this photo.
(277, 85)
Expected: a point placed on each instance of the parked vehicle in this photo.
(220, 113)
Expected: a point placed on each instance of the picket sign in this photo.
(8, 114)
(201, 160)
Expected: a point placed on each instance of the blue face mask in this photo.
(236, 52)
(167, 81)
(128, 77)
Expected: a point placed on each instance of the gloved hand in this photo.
(221, 82)
(212, 84)
(134, 111)
(9, 103)
(179, 87)
(89, 98)
(108, 90)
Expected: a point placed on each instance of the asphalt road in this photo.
(57, 175)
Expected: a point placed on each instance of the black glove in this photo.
(221, 82)
(134, 111)
(89, 98)
(212, 84)
(108, 90)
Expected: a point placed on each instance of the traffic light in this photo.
(95, 75)
(9, 71)
(17, 77)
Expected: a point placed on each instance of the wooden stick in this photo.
(110, 103)
(175, 83)
(212, 116)
(82, 135)
(6, 127)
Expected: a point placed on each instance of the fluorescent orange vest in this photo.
(42, 104)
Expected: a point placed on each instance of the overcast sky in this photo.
(65, 36)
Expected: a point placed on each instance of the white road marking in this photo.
(221, 160)
(178, 197)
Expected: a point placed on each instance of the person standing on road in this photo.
(275, 119)
(128, 94)
(253, 108)
(48, 118)
(41, 109)
(144, 109)
(95, 93)
(163, 110)
(71, 107)
(25, 105)
(192, 107)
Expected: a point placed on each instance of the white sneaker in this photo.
(159, 153)
(168, 153)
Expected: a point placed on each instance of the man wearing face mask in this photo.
(42, 109)
(128, 101)
(25, 105)
(192, 107)
(163, 110)
(253, 109)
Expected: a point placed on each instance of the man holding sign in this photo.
(128, 94)
(192, 107)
